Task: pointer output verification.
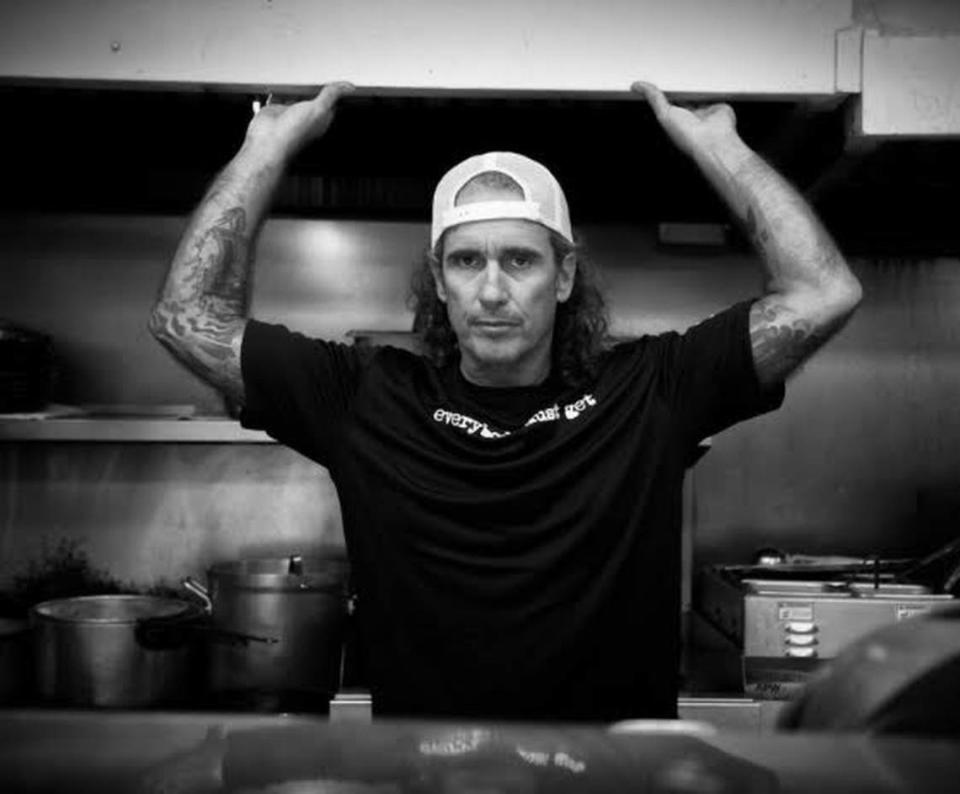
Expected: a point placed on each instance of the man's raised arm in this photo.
(202, 310)
(810, 291)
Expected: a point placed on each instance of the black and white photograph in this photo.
(460, 397)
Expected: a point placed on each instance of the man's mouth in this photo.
(493, 328)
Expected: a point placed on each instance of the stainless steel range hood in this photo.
(900, 57)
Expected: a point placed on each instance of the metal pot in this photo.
(114, 650)
(298, 604)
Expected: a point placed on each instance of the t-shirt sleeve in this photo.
(712, 379)
(298, 389)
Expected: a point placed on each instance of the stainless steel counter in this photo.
(164, 751)
(727, 712)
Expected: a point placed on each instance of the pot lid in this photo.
(111, 608)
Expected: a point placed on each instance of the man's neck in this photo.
(504, 376)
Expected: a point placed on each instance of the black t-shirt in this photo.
(516, 551)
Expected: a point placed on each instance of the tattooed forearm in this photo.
(218, 270)
(202, 310)
(201, 313)
(208, 348)
(224, 274)
(782, 339)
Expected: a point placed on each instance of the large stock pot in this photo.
(296, 607)
(115, 651)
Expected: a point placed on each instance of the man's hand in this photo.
(693, 131)
(285, 129)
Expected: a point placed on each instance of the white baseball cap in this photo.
(543, 200)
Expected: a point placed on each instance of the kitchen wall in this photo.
(862, 457)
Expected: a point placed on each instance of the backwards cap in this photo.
(543, 200)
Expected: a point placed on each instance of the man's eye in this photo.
(521, 261)
(467, 260)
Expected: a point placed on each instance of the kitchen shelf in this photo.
(125, 429)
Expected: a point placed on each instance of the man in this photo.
(511, 501)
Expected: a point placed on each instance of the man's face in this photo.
(501, 284)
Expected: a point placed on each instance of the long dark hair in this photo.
(579, 331)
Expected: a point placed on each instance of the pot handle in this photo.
(164, 634)
(192, 585)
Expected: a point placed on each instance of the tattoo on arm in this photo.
(221, 275)
(782, 339)
(201, 315)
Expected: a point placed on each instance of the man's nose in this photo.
(492, 290)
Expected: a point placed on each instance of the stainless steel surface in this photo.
(732, 713)
(782, 629)
(726, 713)
(87, 652)
(168, 751)
(836, 588)
(213, 633)
(298, 601)
(765, 617)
